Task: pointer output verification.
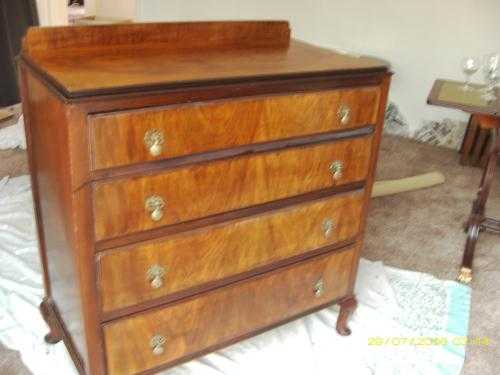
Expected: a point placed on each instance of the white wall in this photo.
(52, 12)
(55, 12)
(90, 7)
(423, 39)
(115, 9)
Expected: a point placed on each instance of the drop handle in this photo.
(155, 206)
(156, 275)
(337, 169)
(328, 227)
(344, 114)
(157, 344)
(154, 140)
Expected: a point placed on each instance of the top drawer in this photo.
(130, 137)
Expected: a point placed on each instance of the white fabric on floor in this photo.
(395, 306)
(13, 136)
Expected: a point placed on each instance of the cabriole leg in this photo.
(54, 335)
(347, 307)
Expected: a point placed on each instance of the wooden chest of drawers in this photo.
(194, 183)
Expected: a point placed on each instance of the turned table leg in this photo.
(55, 334)
(477, 221)
(347, 307)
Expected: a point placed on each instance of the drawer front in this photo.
(125, 138)
(224, 314)
(135, 274)
(126, 206)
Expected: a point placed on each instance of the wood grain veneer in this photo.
(173, 36)
(63, 233)
(205, 321)
(201, 51)
(252, 126)
(119, 205)
(213, 253)
(118, 138)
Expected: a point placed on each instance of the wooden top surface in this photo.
(90, 60)
(446, 93)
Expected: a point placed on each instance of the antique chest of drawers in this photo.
(194, 183)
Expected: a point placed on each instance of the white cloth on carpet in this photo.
(13, 136)
(395, 306)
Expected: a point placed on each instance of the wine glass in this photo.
(470, 65)
(491, 65)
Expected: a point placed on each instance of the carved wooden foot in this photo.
(464, 275)
(55, 334)
(347, 307)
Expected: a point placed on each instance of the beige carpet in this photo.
(422, 231)
(12, 162)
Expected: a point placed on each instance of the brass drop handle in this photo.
(319, 288)
(155, 275)
(344, 114)
(155, 205)
(154, 139)
(328, 227)
(337, 169)
(158, 344)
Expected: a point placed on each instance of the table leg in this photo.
(468, 141)
(477, 221)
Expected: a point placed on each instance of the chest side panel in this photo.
(47, 133)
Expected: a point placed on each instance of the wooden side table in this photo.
(476, 145)
(487, 116)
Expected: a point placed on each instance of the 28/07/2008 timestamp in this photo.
(428, 341)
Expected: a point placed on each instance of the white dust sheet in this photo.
(397, 311)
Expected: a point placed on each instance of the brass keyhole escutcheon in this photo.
(319, 288)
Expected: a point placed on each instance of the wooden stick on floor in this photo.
(389, 187)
